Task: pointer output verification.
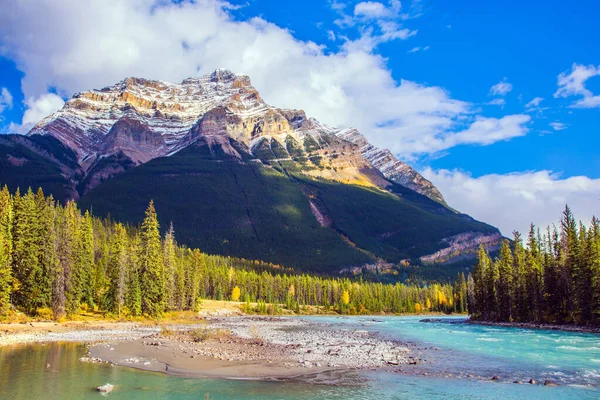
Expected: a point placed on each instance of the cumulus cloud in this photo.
(71, 46)
(371, 9)
(513, 201)
(6, 99)
(501, 88)
(573, 84)
(37, 109)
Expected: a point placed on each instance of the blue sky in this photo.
(414, 76)
(474, 45)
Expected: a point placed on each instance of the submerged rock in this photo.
(548, 382)
(106, 388)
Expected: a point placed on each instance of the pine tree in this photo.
(133, 299)
(520, 306)
(27, 272)
(117, 267)
(534, 275)
(504, 283)
(152, 275)
(5, 274)
(170, 268)
(594, 239)
(6, 220)
(86, 260)
(569, 269)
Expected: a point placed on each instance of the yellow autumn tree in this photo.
(428, 304)
(235, 294)
(346, 297)
(417, 308)
(292, 290)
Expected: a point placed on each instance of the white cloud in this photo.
(37, 109)
(485, 131)
(501, 88)
(417, 49)
(513, 201)
(573, 84)
(375, 22)
(331, 35)
(558, 126)
(534, 103)
(371, 9)
(71, 46)
(497, 102)
(6, 99)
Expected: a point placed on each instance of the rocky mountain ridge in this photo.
(137, 120)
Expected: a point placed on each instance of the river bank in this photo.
(239, 347)
(541, 326)
(266, 348)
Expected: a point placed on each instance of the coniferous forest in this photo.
(552, 278)
(56, 260)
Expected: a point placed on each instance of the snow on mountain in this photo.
(144, 119)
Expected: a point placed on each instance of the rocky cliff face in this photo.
(137, 120)
(392, 168)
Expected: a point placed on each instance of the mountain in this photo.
(239, 177)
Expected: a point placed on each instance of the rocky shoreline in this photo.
(254, 348)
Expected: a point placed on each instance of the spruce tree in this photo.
(504, 283)
(152, 274)
(27, 272)
(117, 269)
(86, 261)
(170, 268)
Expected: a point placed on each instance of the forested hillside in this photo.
(56, 257)
(554, 278)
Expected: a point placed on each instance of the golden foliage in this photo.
(236, 294)
(346, 297)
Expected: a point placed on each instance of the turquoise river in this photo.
(460, 360)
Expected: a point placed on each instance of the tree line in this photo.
(56, 257)
(553, 278)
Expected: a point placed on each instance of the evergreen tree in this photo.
(6, 220)
(170, 268)
(117, 267)
(5, 274)
(27, 272)
(504, 283)
(152, 269)
(86, 260)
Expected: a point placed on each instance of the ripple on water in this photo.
(573, 348)
(488, 339)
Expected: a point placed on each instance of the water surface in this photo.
(451, 348)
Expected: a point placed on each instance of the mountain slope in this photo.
(239, 177)
(270, 212)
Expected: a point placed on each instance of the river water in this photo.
(459, 360)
